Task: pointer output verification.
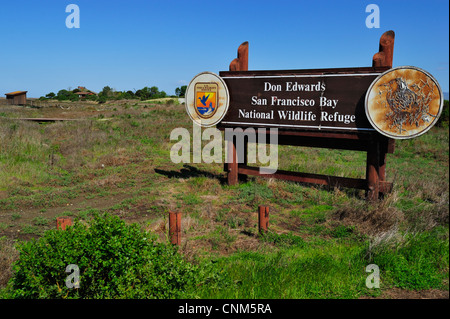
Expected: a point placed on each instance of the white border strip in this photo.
(296, 76)
(303, 126)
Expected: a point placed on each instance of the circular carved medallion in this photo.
(404, 102)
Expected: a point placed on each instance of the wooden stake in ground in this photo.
(63, 222)
(263, 219)
(175, 228)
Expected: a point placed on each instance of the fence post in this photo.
(263, 218)
(63, 222)
(373, 171)
(175, 228)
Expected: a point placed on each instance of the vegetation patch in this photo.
(116, 260)
(116, 159)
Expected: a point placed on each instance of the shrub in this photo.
(101, 99)
(444, 118)
(73, 97)
(115, 260)
(92, 97)
(172, 102)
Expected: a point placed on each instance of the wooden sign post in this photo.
(63, 222)
(175, 228)
(263, 219)
(315, 108)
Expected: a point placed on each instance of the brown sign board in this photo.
(315, 100)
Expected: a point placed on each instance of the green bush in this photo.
(115, 260)
(92, 97)
(101, 99)
(444, 118)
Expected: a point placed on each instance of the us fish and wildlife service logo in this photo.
(404, 102)
(206, 95)
(207, 99)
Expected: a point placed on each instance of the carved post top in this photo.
(241, 62)
(385, 54)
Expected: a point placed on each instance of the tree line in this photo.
(108, 93)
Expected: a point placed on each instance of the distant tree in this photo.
(63, 95)
(138, 93)
(51, 95)
(92, 97)
(73, 97)
(101, 99)
(126, 95)
(107, 92)
(145, 93)
(181, 91)
(154, 92)
(444, 118)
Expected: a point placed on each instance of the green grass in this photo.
(30, 229)
(421, 261)
(40, 221)
(332, 269)
(282, 240)
(336, 271)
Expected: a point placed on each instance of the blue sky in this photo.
(131, 44)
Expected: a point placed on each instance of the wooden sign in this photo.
(315, 108)
(318, 100)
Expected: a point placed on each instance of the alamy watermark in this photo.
(373, 280)
(258, 150)
(73, 280)
(373, 19)
(73, 19)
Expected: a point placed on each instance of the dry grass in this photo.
(8, 254)
(371, 218)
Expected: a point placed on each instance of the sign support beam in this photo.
(238, 64)
(376, 170)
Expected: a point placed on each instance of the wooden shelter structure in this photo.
(16, 98)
